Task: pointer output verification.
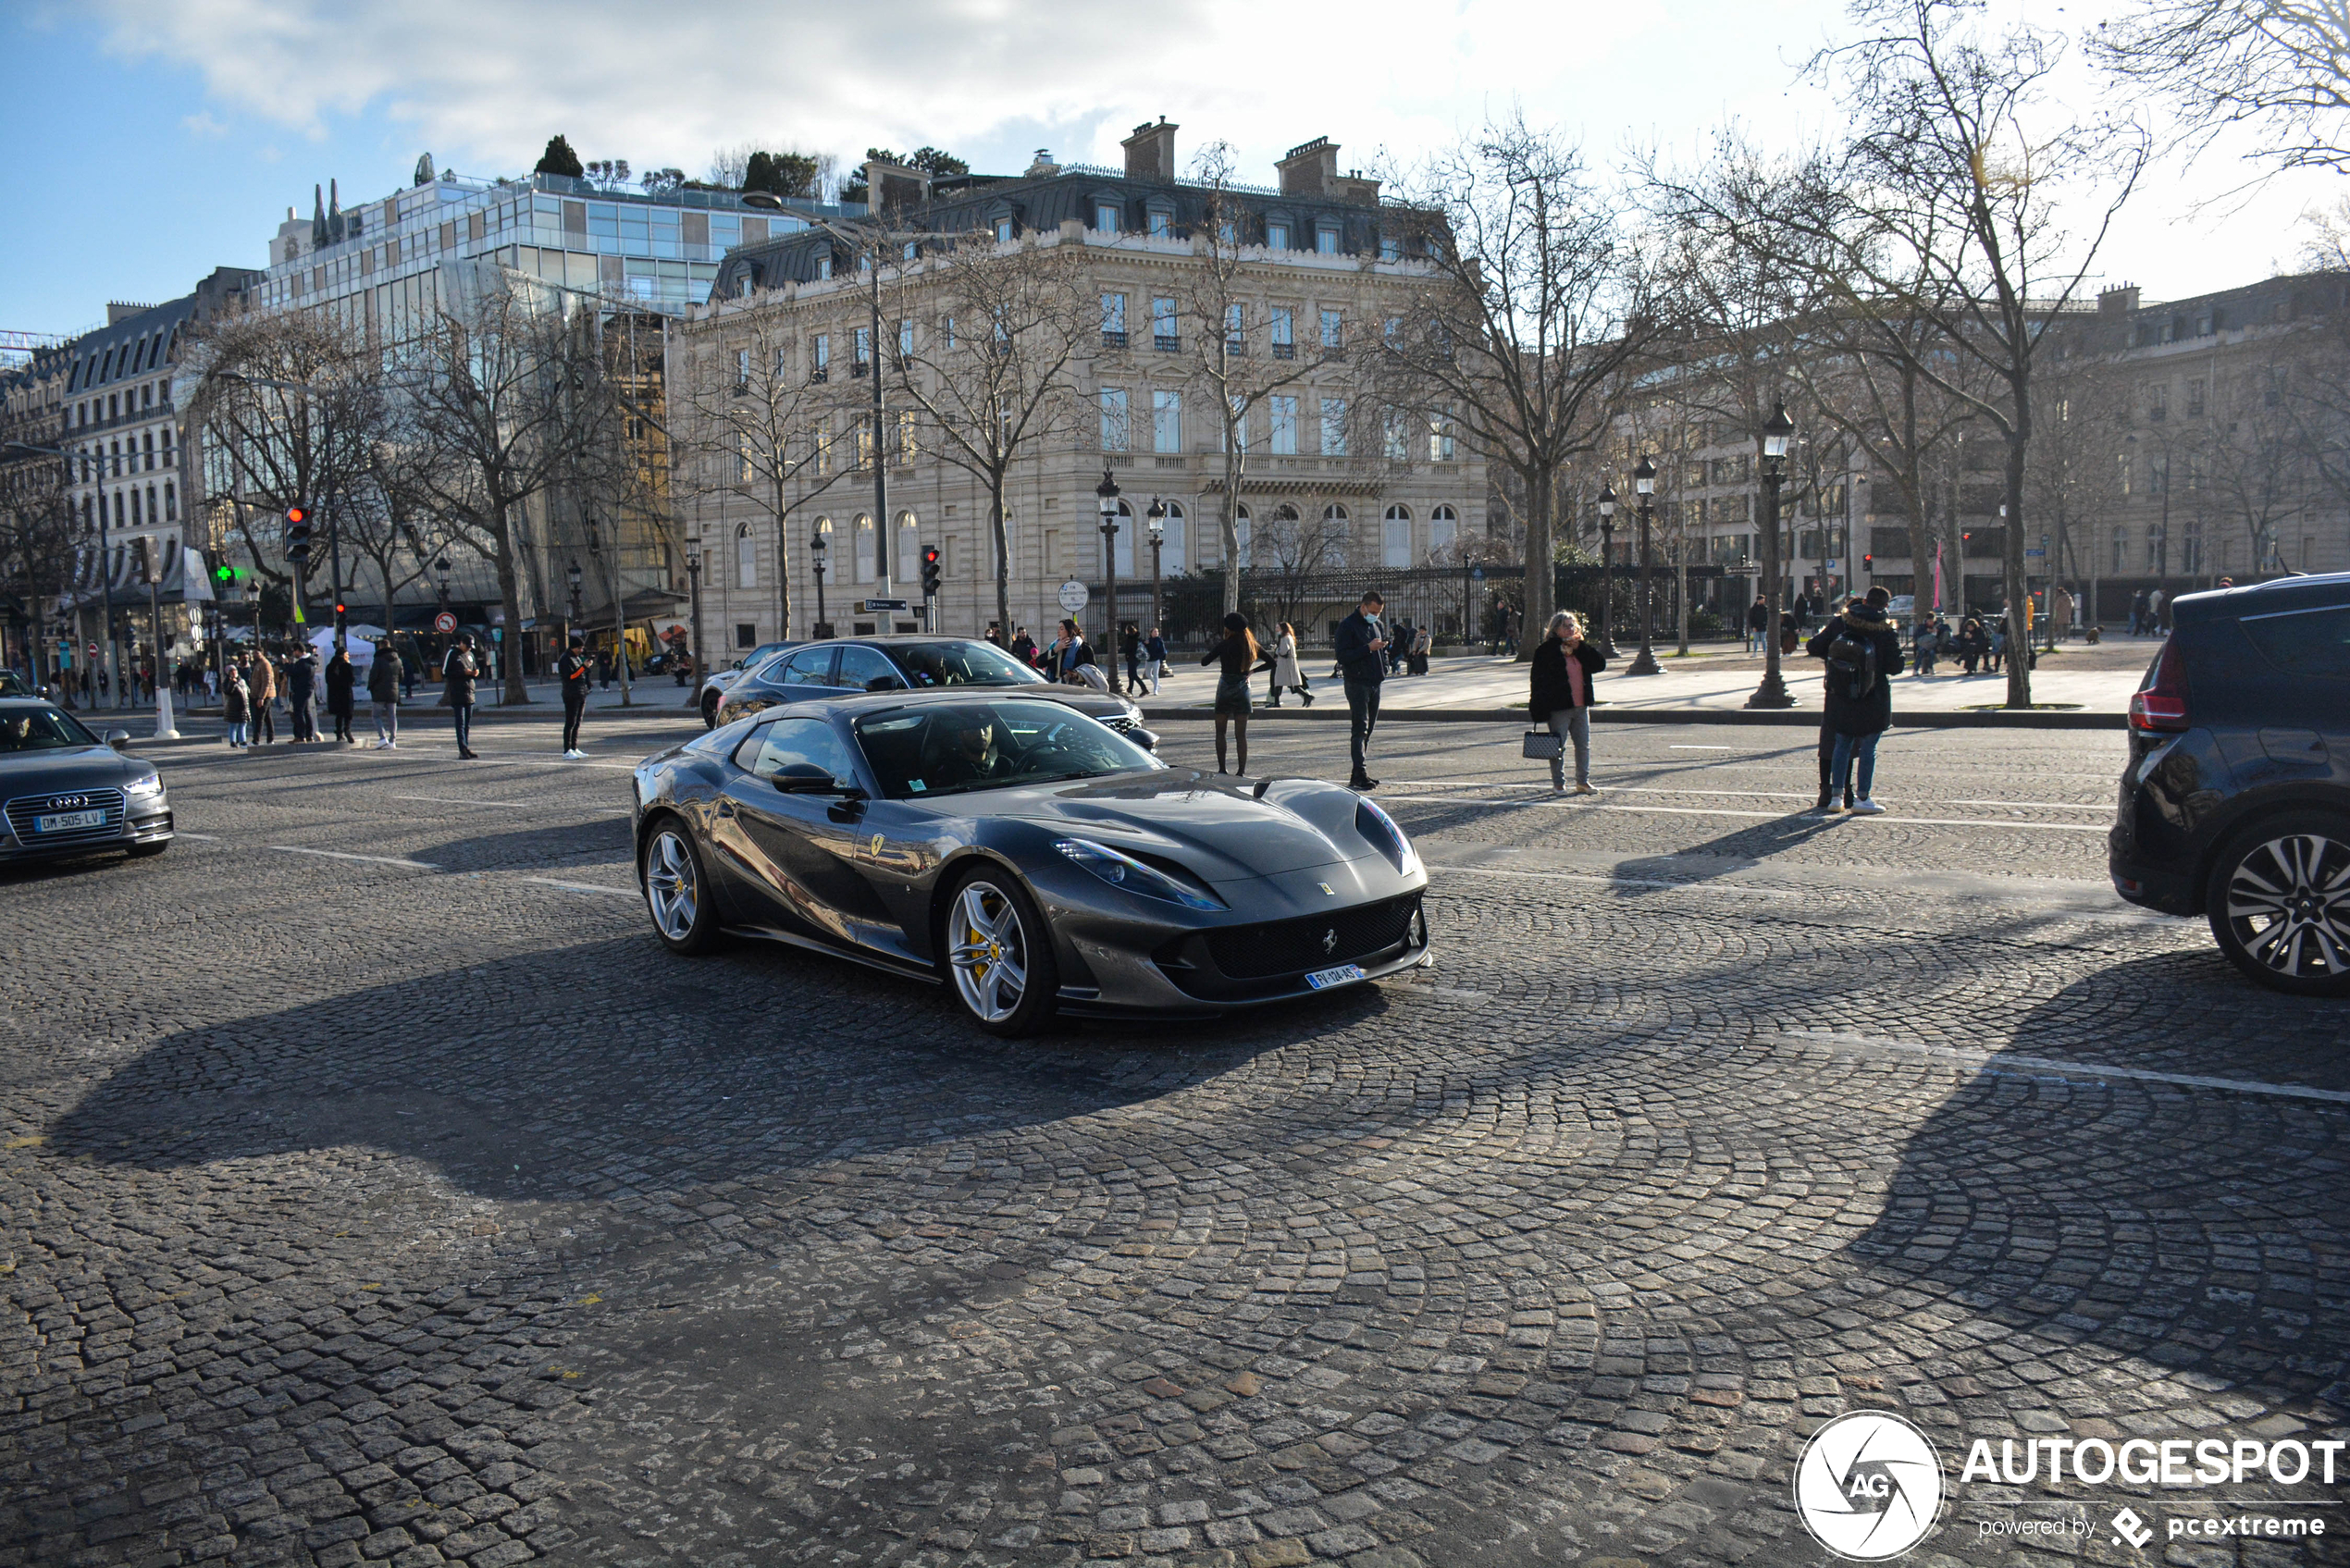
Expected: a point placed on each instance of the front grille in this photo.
(1295, 946)
(25, 807)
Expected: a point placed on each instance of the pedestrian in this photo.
(1922, 650)
(2158, 613)
(572, 669)
(236, 711)
(1068, 654)
(261, 684)
(1422, 644)
(407, 667)
(2060, 611)
(603, 669)
(1863, 655)
(1560, 679)
(995, 632)
(1237, 657)
(1997, 634)
(1025, 648)
(1130, 648)
(1287, 674)
(384, 678)
(342, 684)
(302, 695)
(1362, 646)
(1757, 622)
(458, 671)
(1155, 658)
(1878, 598)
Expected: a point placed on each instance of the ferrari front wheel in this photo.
(1000, 955)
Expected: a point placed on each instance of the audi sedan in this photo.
(63, 791)
(845, 666)
(1023, 855)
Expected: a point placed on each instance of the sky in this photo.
(159, 139)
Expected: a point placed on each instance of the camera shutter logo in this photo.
(1868, 1486)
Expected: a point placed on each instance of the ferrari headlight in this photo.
(143, 789)
(1384, 835)
(1124, 871)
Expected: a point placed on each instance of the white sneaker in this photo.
(1867, 808)
(575, 754)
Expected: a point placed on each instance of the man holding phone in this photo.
(1362, 662)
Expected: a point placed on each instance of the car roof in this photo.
(940, 697)
(2307, 592)
(891, 638)
(28, 700)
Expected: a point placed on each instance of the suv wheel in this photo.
(2280, 903)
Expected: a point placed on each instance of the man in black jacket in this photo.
(1879, 599)
(573, 670)
(1863, 654)
(1362, 662)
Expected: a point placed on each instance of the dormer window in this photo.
(1106, 217)
(1162, 223)
(1326, 239)
(1276, 235)
(1003, 231)
(823, 266)
(1390, 249)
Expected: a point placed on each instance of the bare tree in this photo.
(1543, 310)
(1290, 550)
(1242, 353)
(2251, 457)
(503, 396)
(2074, 478)
(987, 334)
(40, 532)
(756, 425)
(2282, 66)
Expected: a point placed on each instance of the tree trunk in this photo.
(1234, 466)
(2019, 588)
(783, 564)
(1681, 590)
(509, 595)
(1003, 554)
(1541, 578)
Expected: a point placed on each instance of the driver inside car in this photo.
(969, 754)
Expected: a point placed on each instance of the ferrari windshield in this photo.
(961, 663)
(41, 729)
(943, 749)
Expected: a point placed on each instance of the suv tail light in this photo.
(2160, 706)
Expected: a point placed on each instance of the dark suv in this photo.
(2236, 802)
(918, 662)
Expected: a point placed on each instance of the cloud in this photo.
(202, 125)
(483, 86)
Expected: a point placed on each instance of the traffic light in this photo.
(930, 570)
(298, 534)
(1868, 563)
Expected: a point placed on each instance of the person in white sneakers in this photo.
(1863, 653)
(575, 670)
(383, 695)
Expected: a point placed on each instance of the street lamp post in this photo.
(818, 547)
(1644, 486)
(1107, 491)
(693, 577)
(1156, 517)
(1607, 570)
(1772, 692)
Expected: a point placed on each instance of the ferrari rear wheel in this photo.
(999, 954)
(710, 710)
(677, 894)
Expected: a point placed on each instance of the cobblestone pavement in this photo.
(374, 1188)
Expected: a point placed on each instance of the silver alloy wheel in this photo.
(987, 948)
(671, 886)
(2289, 903)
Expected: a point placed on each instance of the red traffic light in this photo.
(930, 555)
(295, 515)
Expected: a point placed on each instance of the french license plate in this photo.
(1345, 974)
(65, 821)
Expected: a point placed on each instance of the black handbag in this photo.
(1541, 746)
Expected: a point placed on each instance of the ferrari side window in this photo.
(789, 741)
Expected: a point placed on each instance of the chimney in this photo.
(2119, 300)
(891, 186)
(1311, 169)
(1150, 153)
(1044, 166)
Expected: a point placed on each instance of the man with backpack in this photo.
(1862, 653)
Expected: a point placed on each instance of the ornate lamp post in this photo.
(817, 546)
(1772, 692)
(1607, 570)
(1644, 486)
(1156, 517)
(440, 579)
(572, 576)
(1107, 491)
(693, 577)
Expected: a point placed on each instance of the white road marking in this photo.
(372, 860)
(1700, 748)
(583, 886)
(2001, 1060)
(461, 800)
(1763, 816)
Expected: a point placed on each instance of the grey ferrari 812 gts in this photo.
(1025, 856)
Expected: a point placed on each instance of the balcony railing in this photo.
(1165, 342)
(1285, 350)
(1113, 339)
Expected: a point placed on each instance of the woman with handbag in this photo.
(1286, 676)
(1237, 657)
(1563, 669)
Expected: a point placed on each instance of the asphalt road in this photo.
(374, 1188)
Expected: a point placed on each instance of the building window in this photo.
(1333, 331)
(1165, 336)
(1106, 217)
(820, 355)
(2194, 397)
(1236, 328)
(1173, 553)
(1390, 249)
(1326, 240)
(1395, 536)
(908, 560)
(1166, 422)
(745, 633)
(2158, 399)
(1243, 528)
(170, 503)
(746, 557)
(1162, 224)
(1284, 425)
(1004, 231)
(1113, 321)
(861, 531)
(1444, 528)
(1284, 333)
(862, 352)
(1399, 436)
(1276, 236)
(1114, 433)
(742, 370)
(2121, 552)
(1440, 438)
(1236, 426)
(1333, 426)
(823, 266)
(904, 340)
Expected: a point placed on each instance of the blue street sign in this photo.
(2035, 553)
(1476, 573)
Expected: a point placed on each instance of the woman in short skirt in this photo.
(1236, 657)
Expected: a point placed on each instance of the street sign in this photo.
(2034, 554)
(1073, 596)
(1476, 573)
(874, 605)
(444, 622)
(1827, 565)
